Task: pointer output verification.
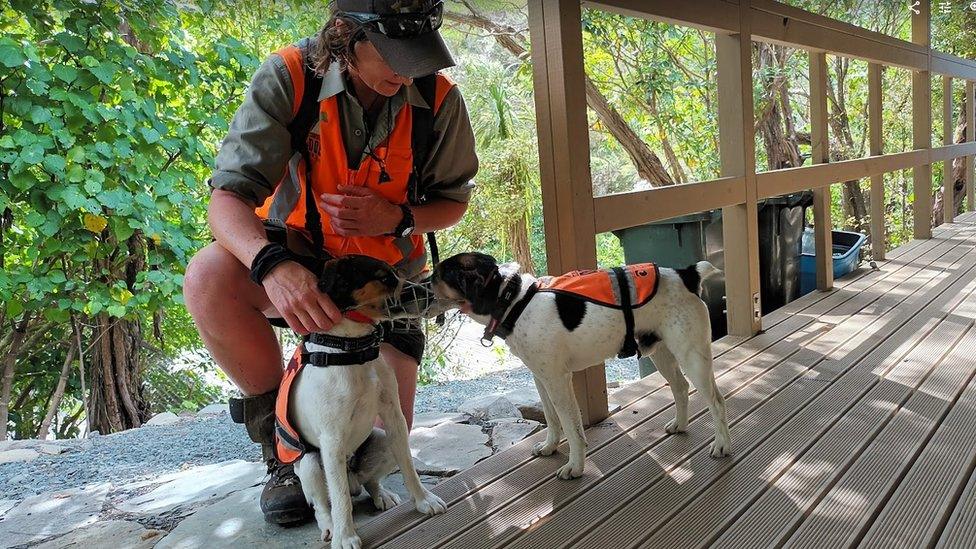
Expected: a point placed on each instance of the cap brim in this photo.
(413, 57)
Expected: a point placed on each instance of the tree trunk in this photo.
(775, 127)
(117, 401)
(52, 407)
(9, 365)
(957, 173)
(518, 240)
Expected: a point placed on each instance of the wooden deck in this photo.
(852, 418)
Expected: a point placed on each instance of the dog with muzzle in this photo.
(560, 325)
(332, 391)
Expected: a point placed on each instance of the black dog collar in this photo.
(509, 291)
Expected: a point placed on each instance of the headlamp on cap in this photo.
(401, 19)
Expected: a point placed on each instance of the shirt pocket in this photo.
(399, 164)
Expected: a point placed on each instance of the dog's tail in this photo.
(693, 275)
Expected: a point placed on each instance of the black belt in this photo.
(354, 350)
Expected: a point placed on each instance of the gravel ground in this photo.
(149, 452)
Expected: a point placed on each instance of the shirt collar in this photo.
(334, 82)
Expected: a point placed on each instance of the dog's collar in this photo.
(355, 350)
(506, 326)
(509, 291)
(357, 316)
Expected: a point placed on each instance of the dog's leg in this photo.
(554, 431)
(665, 363)
(309, 471)
(560, 390)
(397, 437)
(383, 499)
(334, 464)
(698, 365)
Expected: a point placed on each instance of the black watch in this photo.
(406, 226)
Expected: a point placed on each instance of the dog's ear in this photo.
(336, 286)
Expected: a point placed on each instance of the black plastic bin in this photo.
(682, 241)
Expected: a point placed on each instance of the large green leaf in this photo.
(11, 54)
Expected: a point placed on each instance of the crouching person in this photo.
(347, 142)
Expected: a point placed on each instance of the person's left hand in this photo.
(360, 211)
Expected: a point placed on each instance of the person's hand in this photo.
(294, 291)
(360, 211)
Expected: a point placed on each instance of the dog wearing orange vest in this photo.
(332, 391)
(560, 325)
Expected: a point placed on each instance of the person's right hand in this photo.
(294, 291)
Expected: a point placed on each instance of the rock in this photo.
(51, 449)
(19, 455)
(52, 513)
(528, 403)
(165, 418)
(433, 419)
(236, 521)
(448, 448)
(118, 534)
(508, 432)
(6, 505)
(195, 485)
(489, 407)
(213, 410)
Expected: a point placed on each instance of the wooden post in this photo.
(823, 225)
(564, 158)
(971, 134)
(740, 226)
(922, 123)
(879, 238)
(948, 185)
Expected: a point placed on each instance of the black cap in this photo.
(411, 57)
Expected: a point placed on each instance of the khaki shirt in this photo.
(253, 157)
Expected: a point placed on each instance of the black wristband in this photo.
(268, 258)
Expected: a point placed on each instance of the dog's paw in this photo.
(347, 542)
(721, 448)
(325, 525)
(431, 504)
(672, 427)
(570, 471)
(385, 500)
(543, 449)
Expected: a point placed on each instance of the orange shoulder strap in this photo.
(292, 56)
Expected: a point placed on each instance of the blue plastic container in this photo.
(847, 256)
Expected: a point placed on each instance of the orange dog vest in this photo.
(603, 286)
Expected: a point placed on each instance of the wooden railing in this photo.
(573, 216)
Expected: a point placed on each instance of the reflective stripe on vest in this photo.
(330, 168)
(602, 287)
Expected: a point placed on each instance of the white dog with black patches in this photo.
(556, 333)
(327, 405)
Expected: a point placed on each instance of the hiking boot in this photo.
(282, 500)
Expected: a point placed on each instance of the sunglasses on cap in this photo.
(404, 24)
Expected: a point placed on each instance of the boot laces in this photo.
(281, 474)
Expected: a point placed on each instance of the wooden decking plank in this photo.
(813, 304)
(920, 507)
(960, 530)
(479, 532)
(643, 514)
(766, 517)
(848, 509)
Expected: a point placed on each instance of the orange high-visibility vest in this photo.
(603, 288)
(330, 168)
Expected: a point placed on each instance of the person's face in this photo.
(370, 67)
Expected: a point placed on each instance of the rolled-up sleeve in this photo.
(253, 157)
(452, 161)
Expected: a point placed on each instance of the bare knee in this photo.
(211, 276)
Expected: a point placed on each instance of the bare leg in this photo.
(229, 311)
(405, 369)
